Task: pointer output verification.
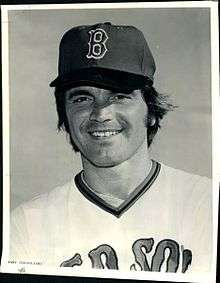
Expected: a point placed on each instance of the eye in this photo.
(121, 97)
(78, 97)
(81, 99)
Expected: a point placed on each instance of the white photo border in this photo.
(5, 267)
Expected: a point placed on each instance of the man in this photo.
(123, 210)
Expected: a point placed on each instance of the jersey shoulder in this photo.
(41, 204)
(185, 180)
(185, 189)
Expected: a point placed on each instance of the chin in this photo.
(104, 161)
(103, 164)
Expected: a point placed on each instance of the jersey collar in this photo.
(133, 197)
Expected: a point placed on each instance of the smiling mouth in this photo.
(105, 133)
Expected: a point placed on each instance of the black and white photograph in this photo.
(110, 137)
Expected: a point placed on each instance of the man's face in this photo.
(107, 127)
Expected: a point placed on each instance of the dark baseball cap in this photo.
(105, 55)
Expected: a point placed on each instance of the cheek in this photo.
(77, 116)
(138, 116)
(143, 114)
(75, 119)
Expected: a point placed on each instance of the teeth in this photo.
(104, 134)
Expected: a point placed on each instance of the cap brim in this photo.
(110, 79)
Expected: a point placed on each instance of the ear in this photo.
(151, 121)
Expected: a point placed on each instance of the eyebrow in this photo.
(74, 92)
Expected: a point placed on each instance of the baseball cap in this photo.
(105, 55)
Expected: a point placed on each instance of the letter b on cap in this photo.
(97, 46)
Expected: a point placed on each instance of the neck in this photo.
(120, 180)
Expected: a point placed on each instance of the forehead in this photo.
(80, 90)
(89, 89)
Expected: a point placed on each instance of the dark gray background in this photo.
(179, 38)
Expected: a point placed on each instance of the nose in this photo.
(101, 113)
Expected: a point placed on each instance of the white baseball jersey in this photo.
(165, 225)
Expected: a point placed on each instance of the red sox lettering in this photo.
(141, 262)
(97, 46)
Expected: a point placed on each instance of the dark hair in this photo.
(158, 106)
